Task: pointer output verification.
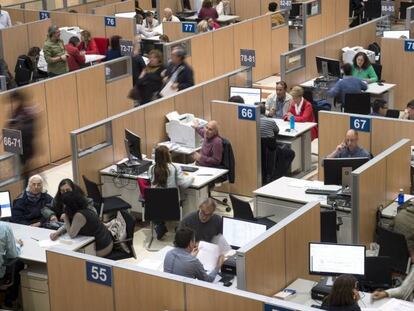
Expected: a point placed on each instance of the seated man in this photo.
(150, 22)
(10, 249)
(211, 152)
(349, 148)
(405, 291)
(409, 111)
(379, 108)
(277, 104)
(169, 17)
(32, 206)
(404, 223)
(181, 260)
(204, 222)
(347, 85)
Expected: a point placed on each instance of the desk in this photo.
(303, 295)
(385, 91)
(90, 59)
(390, 211)
(126, 185)
(222, 19)
(177, 148)
(285, 195)
(299, 141)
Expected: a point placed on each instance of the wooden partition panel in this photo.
(153, 293)
(341, 15)
(108, 10)
(72, 271)
(116, 96)
(204, 299)
(61, 102)
(398, 172)
(64, 19)
(333, 47)
(368, 35)
(5, 112)
(223, 51)
(262, 34)
(245, 143)
(299, 233)
(216, 90)
(317, 49)
(295, 78)
(31, 16)
(155, 122)
(174, 5)
(247, 9)
(37, 33)
(396, 68)
(135, 122)
(174, 32)
(314, 30)
(125, 27)
(201, 51)
(15, 189)
(16, 15)
(93, 23)
(280, 44)
(12, 47)
(126, 6)
(190, 101)
(268, 277)
(243, 39)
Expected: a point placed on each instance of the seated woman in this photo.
(363, 69)
(114, 50)
(404, 291)
(76, 58)
(164, 174)
(202, 26)
(88, 44)
(301, 110)
(344, 295)
(149, 83)
(31, 207)
(212, 25)
(81, 220)
(67, 185)
(207, 10)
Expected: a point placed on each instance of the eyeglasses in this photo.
(205, 215)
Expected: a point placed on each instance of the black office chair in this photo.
(378, 70)
(9, 276)
(394, 245)
(118, 252)
(392, 113)
(242, 210)
(372, 9)
(403, 9)
(23, 71)
(104, 205)
(329, 227)
(268, 155)
(358, 103)
(161, 204)
(378, 274)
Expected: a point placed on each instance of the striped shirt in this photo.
(268, 127)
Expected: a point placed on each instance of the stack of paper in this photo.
(208, 254)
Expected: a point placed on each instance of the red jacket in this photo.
(305, 115)
(75, 59)
(92, 48)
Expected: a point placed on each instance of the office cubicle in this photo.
(376, 184)
(280, 255)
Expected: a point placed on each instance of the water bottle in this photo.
(401, 197)
(292, 123)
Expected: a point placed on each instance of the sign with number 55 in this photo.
(99, 273)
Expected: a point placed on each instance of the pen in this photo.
(34, 239)
(204, 174)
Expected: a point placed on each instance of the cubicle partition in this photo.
(376, 184)
(122, 7)
(174, 31)
(299, 65)
(280, 255)
(120, 287)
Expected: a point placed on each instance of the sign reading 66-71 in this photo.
(12, 141)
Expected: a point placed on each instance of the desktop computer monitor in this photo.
(5, 204)
(328, 67)
(238, 232)
(397, 34)
(132, 146)
(250, 95)
(337, 171)
(336, 259)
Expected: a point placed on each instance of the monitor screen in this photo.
(5, 204)
(249, 94)
(336, 259)
(403, 34)
(328, 67)
(337, 171)
(133, 144)
(239, 232)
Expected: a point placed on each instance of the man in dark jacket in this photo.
(179, 71)
(31, 207)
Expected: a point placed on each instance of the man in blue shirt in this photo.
(347, 85)
(349, 147)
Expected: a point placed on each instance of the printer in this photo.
(68, 32)
(180, 130)
(349, 53)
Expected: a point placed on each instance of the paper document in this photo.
(397, 305)
(221, 242)
(208, 254)
(48, 243)
(151, 264)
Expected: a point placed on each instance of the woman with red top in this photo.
(76, 58)
(88, 44)
(207, 10)
(301, 109)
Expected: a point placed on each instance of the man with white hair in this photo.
(169, 17)
(32, 206)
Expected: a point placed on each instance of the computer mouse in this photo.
(227, 284)
(380, 83)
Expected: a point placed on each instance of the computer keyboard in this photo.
(320, 191)
(191, 169)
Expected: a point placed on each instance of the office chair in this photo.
(394, 245)
(161, 204)
(104, 205)
(378, 274)
(9, 276)
(372, 9)
(242, 210)
(329, 227)
(392, 113)
(378, 70)
(358, 103)
(23, 71)
(403, 9)
(119, 253)
(102, 44)
(268, 154)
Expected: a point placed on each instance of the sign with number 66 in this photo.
(98, 273)
(247, 113)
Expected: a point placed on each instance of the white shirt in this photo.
(220, 8)
(5, 20)
(173, 19)
(154, 24)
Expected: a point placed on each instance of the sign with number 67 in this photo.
(360, 124)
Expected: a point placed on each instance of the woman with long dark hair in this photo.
(344, 295)
(363, 69)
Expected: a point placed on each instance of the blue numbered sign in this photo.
(409, 45)
(110, 21)
(269, 307)
(188, 27)
(360, 124)
(99, 273)
(44, 15)
(247, 113)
